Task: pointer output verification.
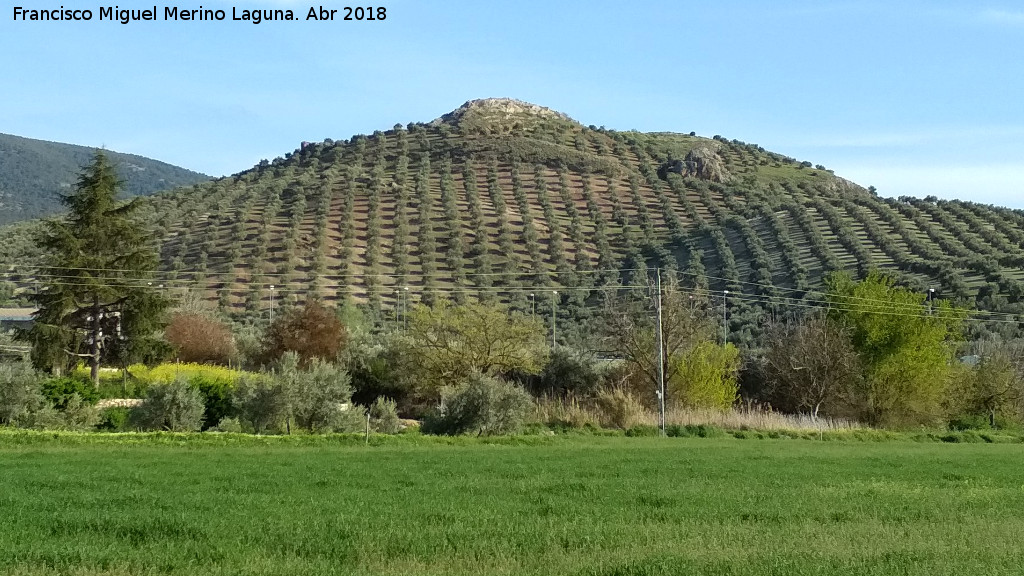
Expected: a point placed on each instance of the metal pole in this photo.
(661, 357)
(533, 306)
(554, 317)
(271, 303)
(405, 309)
(725, 320)
(931, 297)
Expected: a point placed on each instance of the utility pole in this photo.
(405, 309)
(554, 317)
(271, 303)
(398, 307)
(725, 319)
(661, 356)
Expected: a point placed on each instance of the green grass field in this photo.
(576, 505)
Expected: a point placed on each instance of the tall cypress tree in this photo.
(97, 300)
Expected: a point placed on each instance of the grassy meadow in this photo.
(528, 505)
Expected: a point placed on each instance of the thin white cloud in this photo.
(1004, 17)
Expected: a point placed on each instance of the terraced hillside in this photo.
(501, 199)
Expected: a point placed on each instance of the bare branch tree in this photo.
(811, 366)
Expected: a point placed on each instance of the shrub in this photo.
(316, 398)
(175, 406)
(351, 418)
(260, 402)
(313, 331)
(568, 372)
(58, 391)
(381, 368)
(217, 398)
(706, 376)
(384, 416)
(619, 408)
(114, 419)
(319, 396)
(228, 425)
(448, 343)
(198, 338)
(43, 417)
(20, 394)
(992, 394)
(79, 415)
(484, 405)
(215, 383)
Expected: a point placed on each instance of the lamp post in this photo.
(271, 303)
(554, 317)
(398, 307)
(405, 309)
(931, 298)
(725, 320)
(533, 305)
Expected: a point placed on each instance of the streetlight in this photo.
(398, 306)
(725, 321)
(931, 298)
(405, 308)
(271, 303)
(554, 318)
(533, 305)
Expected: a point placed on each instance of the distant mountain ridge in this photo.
(33, 172)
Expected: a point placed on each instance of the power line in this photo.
(849, 301)
(845, 303)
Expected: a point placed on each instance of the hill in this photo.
(34, 172)
(504, 199)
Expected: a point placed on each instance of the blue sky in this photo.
(914, 98)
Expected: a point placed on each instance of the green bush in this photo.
(351, 418)
(567, 372)
(484, 405)
(384, 416)
(58, 391)
(217, 396)
(45, 418)
(260, 402)
(228, 425)
(175, 407)
(20, 395)
(320, 397)
(114, 419)
(970, 422)
(79, 415)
